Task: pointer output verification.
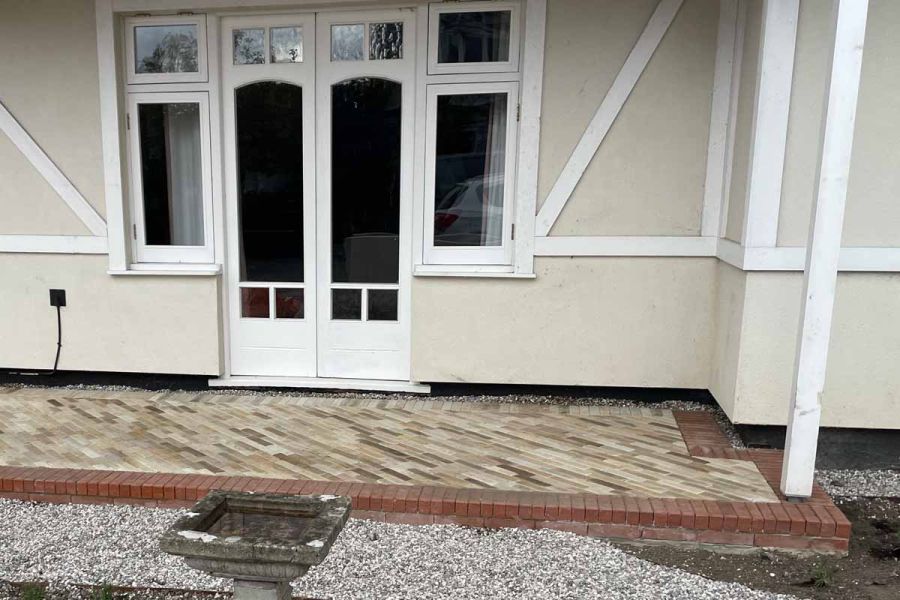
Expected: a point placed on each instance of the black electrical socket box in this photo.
(57, 297)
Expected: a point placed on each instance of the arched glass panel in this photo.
(365, 180)
(269, 124)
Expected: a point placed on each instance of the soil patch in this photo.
(871, 570)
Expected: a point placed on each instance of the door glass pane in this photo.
(171, 174)
(165, 49)
(347, 42)
(249, 46)
(382, 305)
(270, 180)
(288, 303)
(385, 41)
(468, 37)
(286, 44)
(346, 305)
(469, 176)
(255, 303)
(365, 181)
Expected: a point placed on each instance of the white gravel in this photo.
(65, 545)
(853, 483)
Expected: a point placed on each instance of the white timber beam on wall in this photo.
(718, 152)
(110, 123)
(823, 251)
(775, 73)
(606, 114)
(51, 173)
(530, 132)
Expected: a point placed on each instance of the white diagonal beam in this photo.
(51, 173)
(606, 115)
(824, 248)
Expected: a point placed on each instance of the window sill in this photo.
(170, 270)
(483, 272)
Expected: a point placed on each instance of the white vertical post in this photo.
(778, 40)
(823, 248)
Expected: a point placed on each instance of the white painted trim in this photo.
(111, 123)
(515, 26)
(730, 252)
(132, 77)
(51, 173)
(823, 252)
(851, 260)
(775, 74)
(720, 118)
(737, 69)
(53, 244)
(625, 246)
(606, 114)
(372, 385)
(529, 134)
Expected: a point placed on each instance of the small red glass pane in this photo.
(288, 304)
(255, 303)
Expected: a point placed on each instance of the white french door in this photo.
(318, 136)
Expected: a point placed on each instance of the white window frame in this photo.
(202, 74)
(144, 253)
(515, 31)
(471, 255)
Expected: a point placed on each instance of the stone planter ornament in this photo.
(262, 541)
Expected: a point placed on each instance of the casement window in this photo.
(165, 49)
(170, 177)
(474, 37)
(469, 182)
(471, 127)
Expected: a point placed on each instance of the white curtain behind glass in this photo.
(494, 171)
(185, 174)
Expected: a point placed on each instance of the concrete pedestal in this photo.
(261, 590)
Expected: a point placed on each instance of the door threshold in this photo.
(322, 383)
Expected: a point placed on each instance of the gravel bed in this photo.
(855, 483)
(533, 399)
(66, 545)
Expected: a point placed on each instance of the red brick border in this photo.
(816, 525)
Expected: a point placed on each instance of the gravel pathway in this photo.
(853, 483)
(116, 545)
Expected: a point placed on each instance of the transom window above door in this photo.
(259, 45)
(366, 41)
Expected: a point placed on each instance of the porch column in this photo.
(823, 248)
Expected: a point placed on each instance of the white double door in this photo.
(318, 139)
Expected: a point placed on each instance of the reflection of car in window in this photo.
(470, 214)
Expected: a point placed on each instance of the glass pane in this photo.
(346, 305)
(365, 181)
(382, 305)
(255, 303)
(269, 120)
(468, 37)
(288, 303)
(249, 46)
(286, 45)
(165, 49)
(385, 41)
(171, 174)
(347, 42)
(470, 168)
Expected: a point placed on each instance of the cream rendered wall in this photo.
(49, 82)
(584, 321)
(647, 177)
(729, 317)
(129, 324)
(862, 388)
(873, 212)
(744, 120)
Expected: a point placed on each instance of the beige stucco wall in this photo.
(647, 177)
(129, 324)
(583, 321)
(862, 388)
(873, 212)
(729, 317)
(743, 129)
(49, 82)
